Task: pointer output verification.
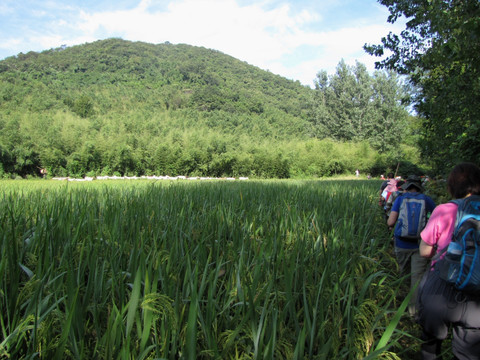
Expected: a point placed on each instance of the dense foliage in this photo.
(197, 270)
(352, 105)
(440, 51)
(131, 108)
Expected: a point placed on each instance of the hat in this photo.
(413, 180)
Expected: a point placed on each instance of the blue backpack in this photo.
(412, 217)
(461, 264)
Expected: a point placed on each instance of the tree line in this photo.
(439, 52)
(352, 105)
(131, 108)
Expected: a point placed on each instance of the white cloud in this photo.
(265, 34)
(222, 25)
(250, 33)
(333, 46)
(10, 43)
(5, 9)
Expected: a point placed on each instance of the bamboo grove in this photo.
(131, 108)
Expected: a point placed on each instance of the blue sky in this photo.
(292, 38)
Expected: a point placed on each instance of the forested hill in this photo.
(116, 106)
(161, 77)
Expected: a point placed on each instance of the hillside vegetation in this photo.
(133, 108)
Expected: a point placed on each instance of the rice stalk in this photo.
(264, 269)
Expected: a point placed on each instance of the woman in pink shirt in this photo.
(439, 230)
(440, 305)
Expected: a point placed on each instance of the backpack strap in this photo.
(439, 254)
(459, 205)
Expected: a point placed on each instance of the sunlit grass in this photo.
(205, 270)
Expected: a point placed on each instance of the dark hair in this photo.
(390, 175)
(463, 180)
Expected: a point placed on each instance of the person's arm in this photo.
(392, 219)
(426, 250)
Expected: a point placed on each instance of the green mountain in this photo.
(116, 74)
(115, 106)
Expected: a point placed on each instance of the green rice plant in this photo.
(204, 270)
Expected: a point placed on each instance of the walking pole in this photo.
(395, 176)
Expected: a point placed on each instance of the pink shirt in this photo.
(440, 226)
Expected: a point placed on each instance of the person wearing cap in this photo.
(407, 250)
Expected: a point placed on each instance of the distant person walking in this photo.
(43, 171)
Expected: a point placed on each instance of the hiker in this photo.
(43, 171)
(382, 200)
(392, 187)
(409, 216)
(392, 197)
(440, 304)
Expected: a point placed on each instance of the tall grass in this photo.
(208, 270)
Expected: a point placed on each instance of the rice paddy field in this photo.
(197, 270)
